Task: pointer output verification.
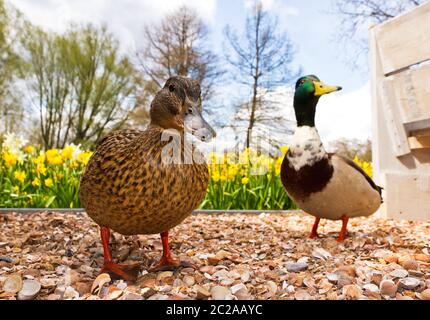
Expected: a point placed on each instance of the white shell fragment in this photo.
(100, 281)
(320, 253)
(30, 289)
(12, 284)
(409, 283)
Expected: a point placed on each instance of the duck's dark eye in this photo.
(171, 87)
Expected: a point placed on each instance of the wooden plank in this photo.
(419, 142)
(396, 130)
(407, 196)
(375, 80)
(405, 40)
(413, 93)
(422, 132)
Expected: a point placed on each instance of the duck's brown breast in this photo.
(128, 188)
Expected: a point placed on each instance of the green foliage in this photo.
(82, 83)
(11, 111)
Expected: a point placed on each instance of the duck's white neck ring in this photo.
(306, 147)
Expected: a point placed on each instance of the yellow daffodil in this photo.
(245, 180)
(40, 159)
(57, 160)
(51, 153)
(53, 157)
(73, 165)
(41, 169)
(232, 171)
(84, 157)
(67, 153)
(35, 182)
(215, 177)
(9, 159)
(19, 175)
(29, 149)
(49, 183)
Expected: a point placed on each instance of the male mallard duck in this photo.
(133, 185)
(325, 185)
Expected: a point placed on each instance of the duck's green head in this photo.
(308, 91)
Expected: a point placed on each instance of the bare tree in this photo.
(81, 85)
(261, 58)
(178, 45)
(357, 15)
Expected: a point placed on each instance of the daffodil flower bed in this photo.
(32, 178)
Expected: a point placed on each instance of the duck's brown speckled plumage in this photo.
(128, 188)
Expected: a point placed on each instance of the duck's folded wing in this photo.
(359, 169)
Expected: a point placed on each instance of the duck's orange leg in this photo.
(167, 262)
(314, 232)
(344, 230)
(126, 272)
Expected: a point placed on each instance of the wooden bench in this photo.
(400, 82)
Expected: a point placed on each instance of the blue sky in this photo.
(308, 23)
(311, 28)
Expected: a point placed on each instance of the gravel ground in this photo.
(237, 256)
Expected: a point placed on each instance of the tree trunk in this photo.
(252, 116)
(256, 78)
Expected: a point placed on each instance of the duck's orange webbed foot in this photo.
(120, 271)
(343, 232)
(166, 263)
(314, 232)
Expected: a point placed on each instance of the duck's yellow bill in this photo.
(321, 88)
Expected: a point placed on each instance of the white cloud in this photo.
(347, 115)
(125, 18)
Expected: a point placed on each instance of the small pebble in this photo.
(6, 259)
(296, 266)
(189, 280)
(202, 293)
(219, 293)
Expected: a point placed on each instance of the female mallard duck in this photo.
(133, 185)
(323, 184)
